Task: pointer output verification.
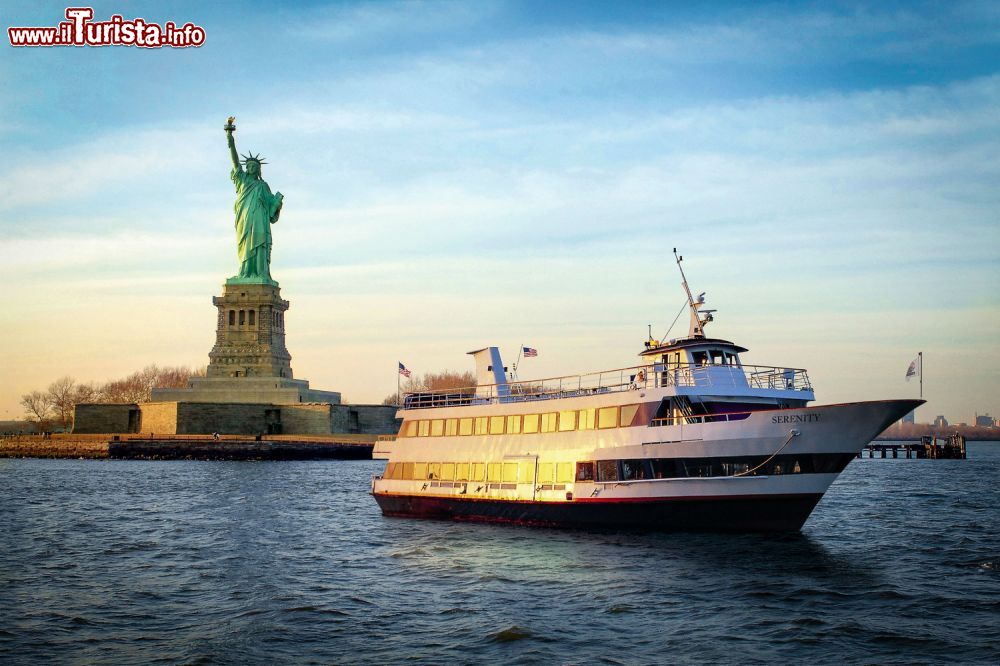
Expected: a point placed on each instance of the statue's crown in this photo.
(250, 157)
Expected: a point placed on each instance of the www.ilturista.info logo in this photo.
(80, 30)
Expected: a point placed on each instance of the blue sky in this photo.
(462, 174)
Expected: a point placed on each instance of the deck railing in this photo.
(699, 418)
(658, 375)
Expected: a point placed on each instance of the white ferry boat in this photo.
(690, 439)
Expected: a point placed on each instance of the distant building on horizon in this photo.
(940, 422)
(909, 418)
(985, 421)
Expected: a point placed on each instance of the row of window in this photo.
(495, 472)
(249, 318)
(603, 471)
(524, 424)
(680, 468)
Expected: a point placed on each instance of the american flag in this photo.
(530, 352)
(403, 371)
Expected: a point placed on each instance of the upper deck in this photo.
(686, 379)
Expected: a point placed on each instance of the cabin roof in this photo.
(687, 343)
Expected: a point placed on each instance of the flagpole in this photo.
(398, 401)
(520, 348)
(920, 355)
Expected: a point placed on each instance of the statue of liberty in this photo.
(256, 210)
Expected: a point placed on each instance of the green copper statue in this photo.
(256, 210)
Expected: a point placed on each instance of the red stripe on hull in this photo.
(752, 513)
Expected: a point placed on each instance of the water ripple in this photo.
(228, 562)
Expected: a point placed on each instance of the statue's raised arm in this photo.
(230, 128)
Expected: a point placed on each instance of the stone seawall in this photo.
(38, 447)
(187, 448)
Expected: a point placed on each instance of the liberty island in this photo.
(249, 387)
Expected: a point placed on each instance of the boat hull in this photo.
(748, 513)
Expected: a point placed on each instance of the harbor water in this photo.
(291, 562)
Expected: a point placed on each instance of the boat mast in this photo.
(697, 327)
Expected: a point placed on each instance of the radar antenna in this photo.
(698, 317)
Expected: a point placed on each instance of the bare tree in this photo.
(459, 382)
(89, 392)
(61, 394)
(138, 387)
(37, 406)
(176, 377)
(135, 388)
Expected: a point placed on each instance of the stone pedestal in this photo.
(250, 333)
(249, 362)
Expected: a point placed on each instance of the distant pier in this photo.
(951, 447)
(150, 446)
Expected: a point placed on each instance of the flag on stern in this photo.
(914, 368)
(530, 352)
(402, 370)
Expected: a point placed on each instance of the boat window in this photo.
(493, 471)
(419, 470)
(514, 424)
(564, 472)
(567, 420)
(697, 468)
(496, 425)
(530, 423)
(423, 428)
(451, 427)
(465, 426)
(481, 424)
(546, 472)
(549, 422)
(462, 472)
(718, 357)
(607, 470)
(410, 428)
(434, 471)
(407, 471)
(607, 417)
(663, 469)
(730, 468)
(700, 358)
(587, 418)
(437, 427)
(732, 359)
(526, 471)
(585, 471)
(510, 472)
(448, 471)
(478, 471)
(634, 470)
(628, 414)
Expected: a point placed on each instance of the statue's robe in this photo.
(256, 210)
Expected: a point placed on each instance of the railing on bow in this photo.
(736, 377)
